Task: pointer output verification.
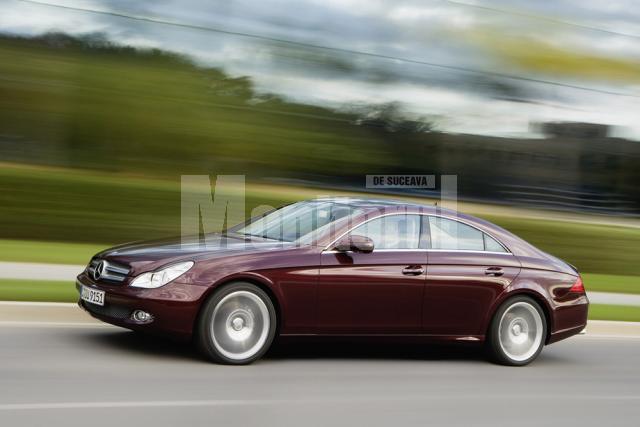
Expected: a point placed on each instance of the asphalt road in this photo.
(103, 376)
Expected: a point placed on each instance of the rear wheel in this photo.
(237, 324)
(517, 332)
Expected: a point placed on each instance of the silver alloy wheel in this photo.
(520, 331)
(240, 325)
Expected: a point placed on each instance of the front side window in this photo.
(296, 222)
(392, 231)
(454, 235)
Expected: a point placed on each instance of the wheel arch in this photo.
(254, 279)
(536, 296)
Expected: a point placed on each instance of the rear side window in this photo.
(448, 234)
(491, 245)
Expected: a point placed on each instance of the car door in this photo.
(466, 272)
(379, 292)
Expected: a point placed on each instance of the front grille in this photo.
(110, 271)
(109, 310)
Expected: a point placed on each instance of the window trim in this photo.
(507, 251)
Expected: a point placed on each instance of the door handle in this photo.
(413, 270)
(494, 271)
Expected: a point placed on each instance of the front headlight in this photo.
(155, 279)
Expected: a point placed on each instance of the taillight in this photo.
(578, 286)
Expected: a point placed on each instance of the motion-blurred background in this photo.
(535, 106)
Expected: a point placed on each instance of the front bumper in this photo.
(174, 306)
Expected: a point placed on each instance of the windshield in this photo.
(297, 221)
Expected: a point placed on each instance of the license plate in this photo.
(93, 296)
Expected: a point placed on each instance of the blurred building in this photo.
(575, 166)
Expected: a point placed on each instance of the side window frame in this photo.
(425, 233)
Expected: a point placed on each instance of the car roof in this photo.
(367, 203)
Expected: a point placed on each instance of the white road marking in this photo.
(611, 322)
(614, 298)
(39, 271)
(613, 336)
(36, 324)
(37, 304)
(314, 401)
(126, 404)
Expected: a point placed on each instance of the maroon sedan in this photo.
(342, 267)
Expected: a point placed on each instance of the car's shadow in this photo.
(294, 349)
(343, 348)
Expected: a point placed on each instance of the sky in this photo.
(488, 67)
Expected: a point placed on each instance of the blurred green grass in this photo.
(37, 290)
(53, 204)
(47, 252)
(619, 313)
(110, 108)
(611, 283)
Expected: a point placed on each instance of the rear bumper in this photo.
(174, 306)
(569, 319)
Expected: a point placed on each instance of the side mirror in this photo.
(355, 243)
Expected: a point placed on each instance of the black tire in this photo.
(251, 305)
(494, 344)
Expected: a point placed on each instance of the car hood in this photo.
(148, 255)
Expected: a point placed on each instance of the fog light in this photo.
(141, 316)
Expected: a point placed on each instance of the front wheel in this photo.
(517, 333)
(237, 324)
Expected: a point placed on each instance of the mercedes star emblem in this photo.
(97, 272)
